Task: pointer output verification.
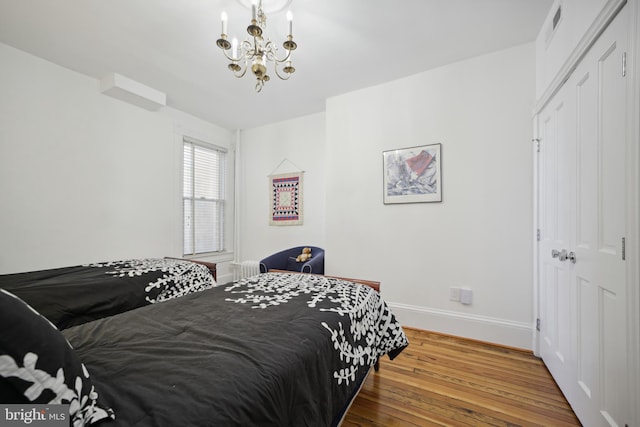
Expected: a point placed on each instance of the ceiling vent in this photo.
(130, 91)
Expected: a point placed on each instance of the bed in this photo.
(159, 343)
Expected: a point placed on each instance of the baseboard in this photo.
(489, 329)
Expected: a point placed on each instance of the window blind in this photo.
(204, 171)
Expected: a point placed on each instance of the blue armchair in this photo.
(286, 260)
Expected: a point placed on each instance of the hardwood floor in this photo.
(440, 380)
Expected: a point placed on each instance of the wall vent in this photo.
(130, 91)
(553, 25)
(556, 18)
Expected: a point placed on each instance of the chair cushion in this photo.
(293, 265)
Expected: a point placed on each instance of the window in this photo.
(203, 197)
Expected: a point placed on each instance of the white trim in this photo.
(535, 342)
(217, 257)
(483, 328)
(237, 191)
(177, 240)
(633, 210)
(222, 201)
(204, 144)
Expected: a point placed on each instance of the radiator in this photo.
(246, 269)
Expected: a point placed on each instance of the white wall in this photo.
(85, 177)
(480, 236)
(288, 146)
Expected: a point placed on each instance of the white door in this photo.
(557, 210)
(583, 329)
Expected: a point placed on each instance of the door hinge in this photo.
(624, 64)
(624, 255)
(536, 141)
(538, 324)
(538, 234)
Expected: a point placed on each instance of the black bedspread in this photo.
(273, 350)
(71, 296)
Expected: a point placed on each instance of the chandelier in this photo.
(256, 52)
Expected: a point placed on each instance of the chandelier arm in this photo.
(272, 53)
(242, 56)
(275, 67)
(249, 50)
(243, 70)
(268, 50)
(250, 55)
(246, 45)
(279, 75)
(285, 59)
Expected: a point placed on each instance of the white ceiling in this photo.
(343, 45)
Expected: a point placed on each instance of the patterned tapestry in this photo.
(286, 199)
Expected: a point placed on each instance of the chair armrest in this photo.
(314, 265)
(277, 261)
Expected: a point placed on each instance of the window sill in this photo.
(212, 257)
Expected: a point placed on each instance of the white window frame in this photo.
(222, 211)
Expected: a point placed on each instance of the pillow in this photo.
(38, 365)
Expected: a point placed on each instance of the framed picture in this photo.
(413, 175)
(286, 199)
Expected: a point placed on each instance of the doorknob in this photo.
(572, 257)
(563, 255)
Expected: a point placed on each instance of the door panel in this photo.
(611, 149)
(613, 366)
(587, 182)
(602, 150)
(556, 232)
(588, 342)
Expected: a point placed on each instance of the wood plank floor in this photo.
(440, 380)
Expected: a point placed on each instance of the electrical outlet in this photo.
(454, 294)
(466, 296)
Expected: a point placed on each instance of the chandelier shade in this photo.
(257, 53)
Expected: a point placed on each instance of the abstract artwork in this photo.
(412, 175)
(286, 199)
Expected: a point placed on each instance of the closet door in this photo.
(557, 228)
(582, 219)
